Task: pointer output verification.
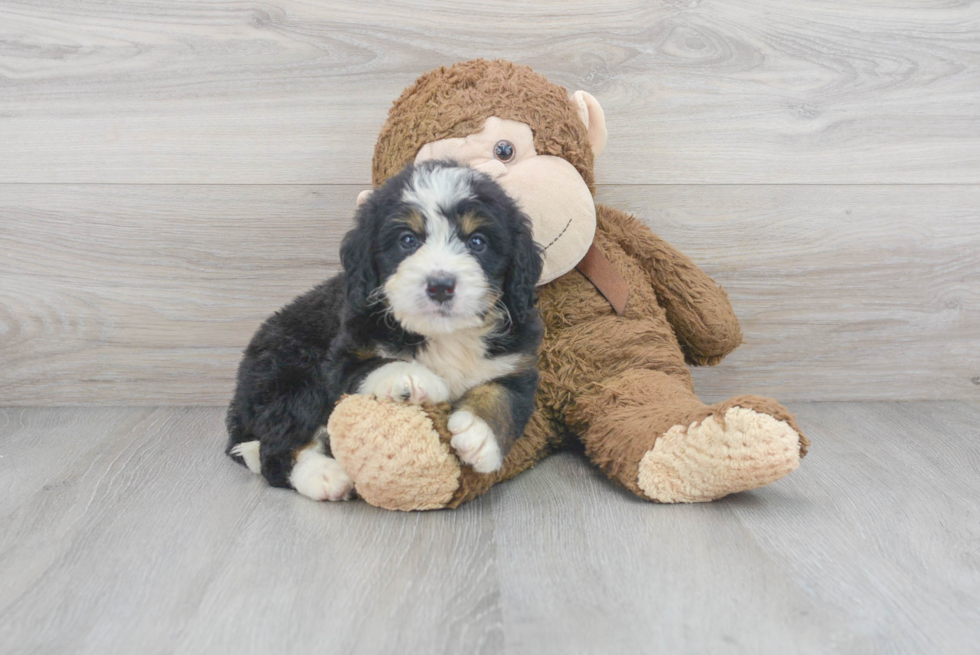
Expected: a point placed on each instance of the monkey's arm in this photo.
(697, 308)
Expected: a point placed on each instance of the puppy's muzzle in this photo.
(440, 287)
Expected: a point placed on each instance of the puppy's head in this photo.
(440, 246)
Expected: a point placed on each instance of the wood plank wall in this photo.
(172, 172)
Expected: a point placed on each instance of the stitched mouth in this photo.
(563, 230)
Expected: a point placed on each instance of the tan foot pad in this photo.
(393, 454)
(703, 462)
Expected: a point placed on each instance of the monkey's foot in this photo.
(393, 453)
(740, 450)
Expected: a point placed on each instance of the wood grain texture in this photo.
(139, 536)
(848, 292)
(713, 91)
(123, 295)
(128, 294)
(886, 480)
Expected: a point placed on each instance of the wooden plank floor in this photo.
(171, 172)
(132, 294)
(287, 91)
(126, 530)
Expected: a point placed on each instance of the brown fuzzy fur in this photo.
(616, 383)
(455, 102)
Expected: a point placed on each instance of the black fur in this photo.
(310, 353)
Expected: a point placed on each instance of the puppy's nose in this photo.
(440, 287)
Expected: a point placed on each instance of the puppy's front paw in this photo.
(320, 477)
(406, 381)
(474, 442)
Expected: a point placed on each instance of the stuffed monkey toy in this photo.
(624, 314)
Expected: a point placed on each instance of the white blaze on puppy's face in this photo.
(442, 255)
(547, 188)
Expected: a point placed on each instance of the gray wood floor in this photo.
(125, 530)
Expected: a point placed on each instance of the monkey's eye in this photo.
(408, 241)
(476, 243)
(504, 151)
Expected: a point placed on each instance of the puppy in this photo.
(436, 303)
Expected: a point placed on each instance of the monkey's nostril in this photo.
(440, 287)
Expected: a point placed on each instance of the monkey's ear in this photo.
(363, 196)
(360, 278)
(592, 116)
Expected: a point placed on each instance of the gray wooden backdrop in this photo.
(171, 172)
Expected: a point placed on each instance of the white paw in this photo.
(249, 451)
(320, 477)
(475, 442)
(405, 381)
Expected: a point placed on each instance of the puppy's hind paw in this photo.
(320, 477)
(249, 452)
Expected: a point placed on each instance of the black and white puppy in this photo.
(436, 303)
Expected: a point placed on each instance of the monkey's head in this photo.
(537, 141)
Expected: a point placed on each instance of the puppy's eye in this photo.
(476, 243)
(408, 241)
(504, 151)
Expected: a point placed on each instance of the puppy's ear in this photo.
(524, 272)
(357, 258)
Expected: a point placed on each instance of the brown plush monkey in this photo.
(624, 314)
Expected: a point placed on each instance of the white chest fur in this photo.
(460, 358)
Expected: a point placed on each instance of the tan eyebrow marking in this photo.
(415, 221)
(470, 223)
